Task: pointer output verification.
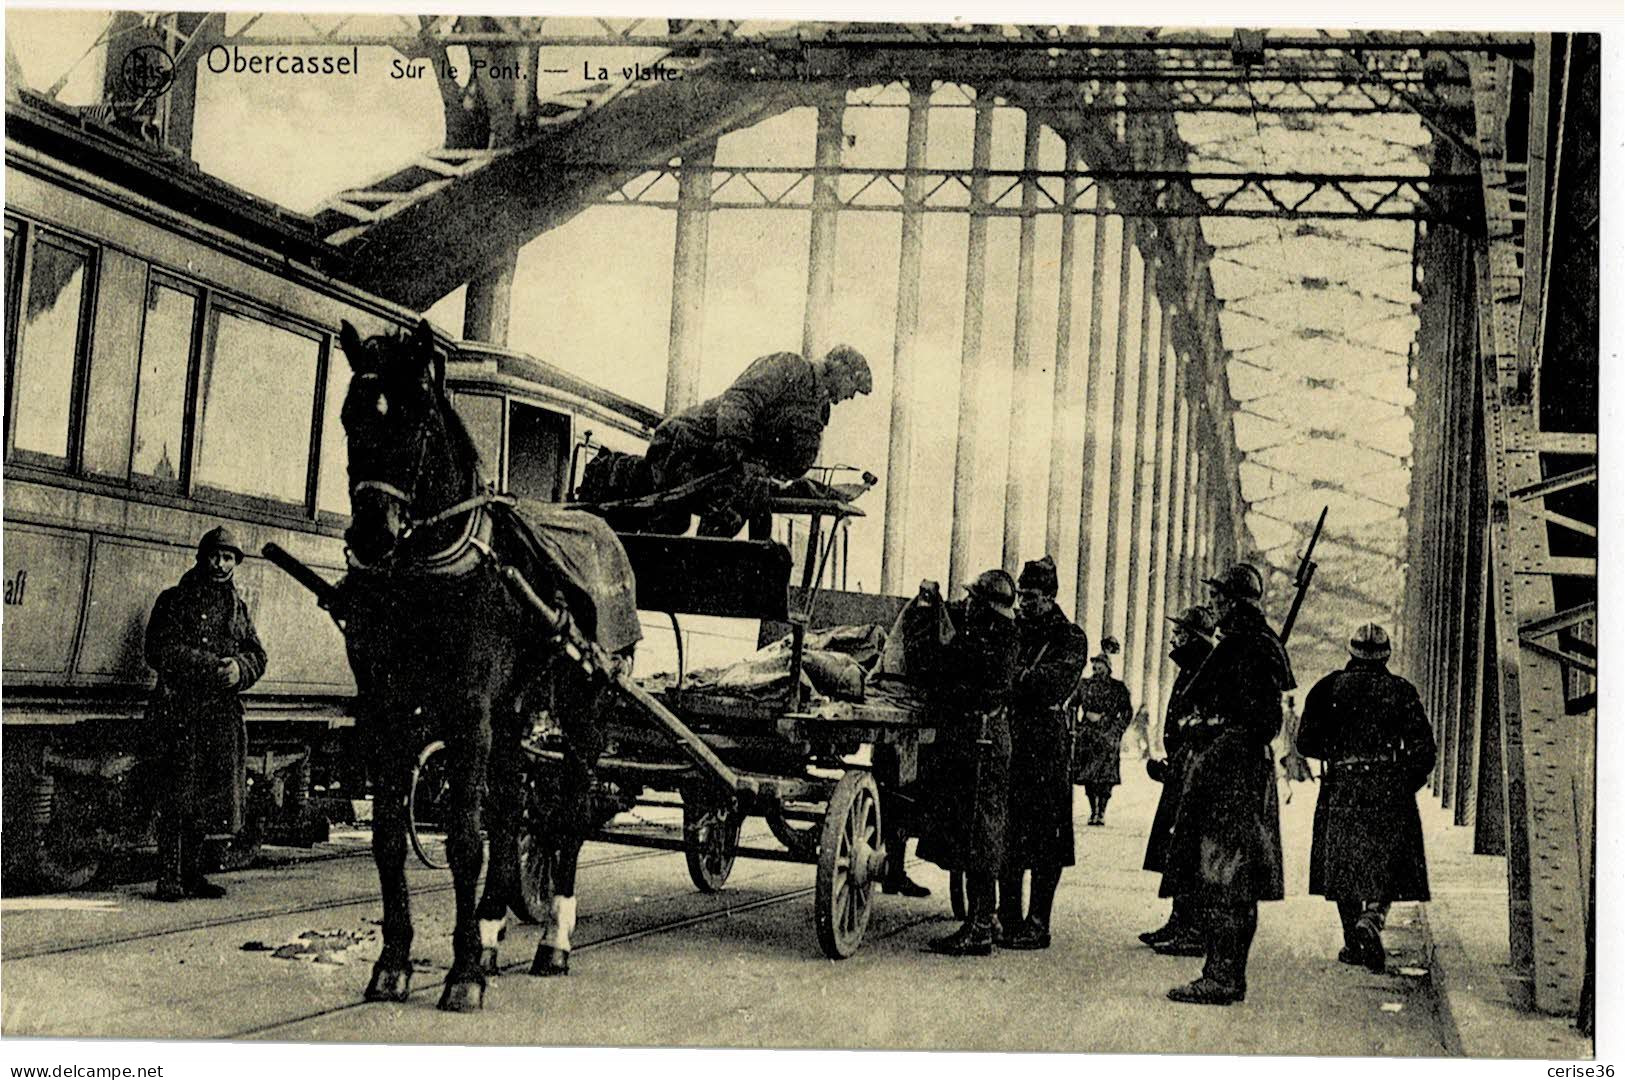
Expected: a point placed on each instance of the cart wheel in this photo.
(711, 835)
(537, 856)
(850, 860)
(426, 805)
(956, 893)
(801, 838)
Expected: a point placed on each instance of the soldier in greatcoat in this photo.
(1190, 643)
(769, 425)
(1225, 852)
(1106, 711)
(1052, 654)
(201, 641)
(971, 757)
(1368, 728)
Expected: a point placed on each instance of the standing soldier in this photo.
(1192, 641)
(1106, 709)
(1225, 853)
(202, 643)
(1367, 727)
(971, 758)
(1053, 651)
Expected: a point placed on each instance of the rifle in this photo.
(327, 595)
(1306, 571)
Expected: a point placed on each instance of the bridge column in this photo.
(1025, 394)
(815, 327)
(489, 300)
(1067, 412)
(1157, 534)
(1174, 596)
(1138, 596)
(905, 344)
(1110, 616)
(1091, 395)
(972, 399)
(688, 270)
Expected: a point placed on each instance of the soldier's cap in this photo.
(854, 362)
(1040, 576)
(1241, 581)
(1370, 642)
(995, 589)
(219, 538)
(1198, 619)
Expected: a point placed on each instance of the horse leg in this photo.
(553, 950)
(504, 798)
(465, 982)
(392, 974)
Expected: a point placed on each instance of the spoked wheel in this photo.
(537, 856)
(426, 805)
(851, 859)
(801, 837)
(711, 838)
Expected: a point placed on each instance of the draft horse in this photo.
(443, 646)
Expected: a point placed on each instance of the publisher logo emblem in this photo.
(147, 71)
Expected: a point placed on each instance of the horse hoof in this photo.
(389, 984)
(464, 995)
(550, 962)
(488, 962)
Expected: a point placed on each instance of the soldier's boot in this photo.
(1185, 939)
(1368, 932)
(1352, 953)
(897, 882)
(194, 882)
(1009, 919)
(1034, 933)
(1104, 801)
(1178, 924)
(170, 858)
(974, 938)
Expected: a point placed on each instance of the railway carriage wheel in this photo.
(711, 835)
(851, 859)
(426, 803)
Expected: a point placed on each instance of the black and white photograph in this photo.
(598, 530)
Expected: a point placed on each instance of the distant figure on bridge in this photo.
(1052, 655)
(1368, 728)
(769, 423)
(971, 758)
(1191, 642)
(1225, 852)
(202, 643)
(1098, 751)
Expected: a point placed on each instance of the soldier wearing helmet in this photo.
(971, 757)
(1225, 852)
(1189, 645)
(201, 641)
(1368, 728)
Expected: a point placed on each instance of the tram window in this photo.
(160, 404)
(255, 409)
(482, 416)
(49, 344)
(333, 467)
(538, 446)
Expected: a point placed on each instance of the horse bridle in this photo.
(475, 536)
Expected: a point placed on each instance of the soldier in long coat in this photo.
(1369, 730)
(1106, 711)
(1225, 852)
(769, 423)
(1190, 644)
(970, 772)
(201, 641)
(1053, 652)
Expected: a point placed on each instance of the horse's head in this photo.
(409, 457)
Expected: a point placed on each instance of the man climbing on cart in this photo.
(728, 452)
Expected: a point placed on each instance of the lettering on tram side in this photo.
(16, 587)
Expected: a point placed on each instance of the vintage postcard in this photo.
(594, 531)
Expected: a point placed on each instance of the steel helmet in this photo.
(1241, 582)
(1198, 619)
(219, 538)
(997, 590)
(1370, 642)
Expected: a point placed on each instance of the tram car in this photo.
(172, 364)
